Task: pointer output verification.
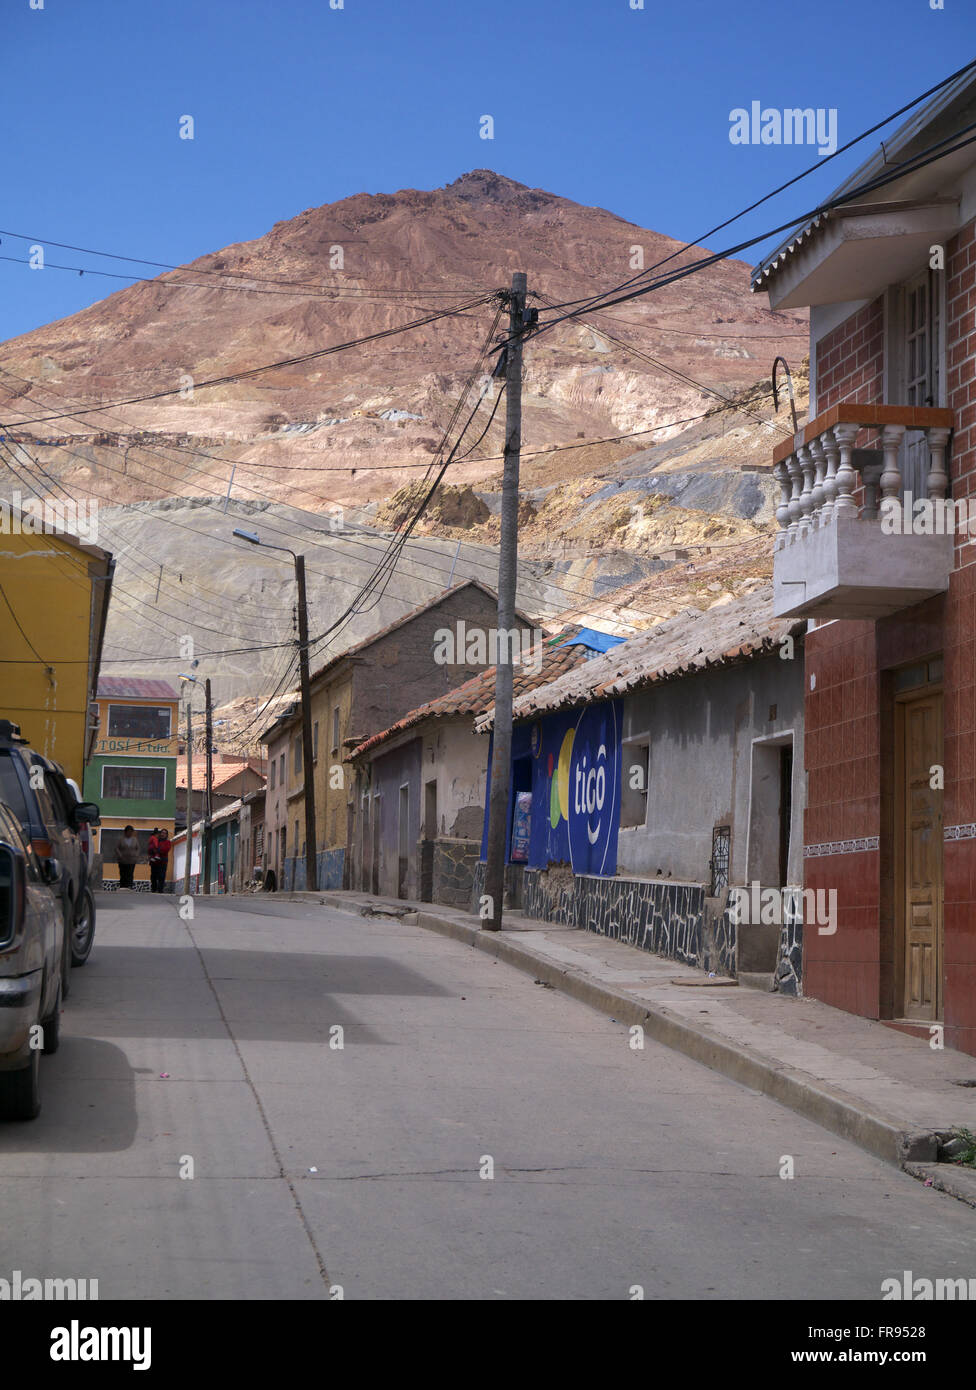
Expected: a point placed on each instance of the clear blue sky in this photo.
(296, 104)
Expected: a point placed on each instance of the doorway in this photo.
(403, 842)
(377, 812)
(919, 925)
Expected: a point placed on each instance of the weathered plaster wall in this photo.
(701, 733)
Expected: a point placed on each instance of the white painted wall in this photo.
(457, 758)
(179, 857)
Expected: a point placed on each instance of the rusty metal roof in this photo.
(134, 688)
(690, 642)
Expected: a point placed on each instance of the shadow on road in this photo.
(88, 1103)
(270, 996)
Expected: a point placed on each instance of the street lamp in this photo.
(308, 778)
(208, 799)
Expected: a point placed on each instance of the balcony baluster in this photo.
(846, 480)
(806, 496)
(938, 479)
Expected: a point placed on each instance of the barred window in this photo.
(134, 783)
(138, 721)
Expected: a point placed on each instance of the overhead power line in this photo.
(327, 294)
(232, 275)
(893, 172)
(248, 372)
(798, 178)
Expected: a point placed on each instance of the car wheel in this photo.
(83, 928)
(52, 1026)
(20, 1091)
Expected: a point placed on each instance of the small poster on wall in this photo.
(521, 825)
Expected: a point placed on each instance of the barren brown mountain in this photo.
(403, 254)
(357, 427)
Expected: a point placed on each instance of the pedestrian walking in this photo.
(159, 848)
(127, 856)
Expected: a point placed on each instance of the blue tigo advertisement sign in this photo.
(576, 760)
(594, 793)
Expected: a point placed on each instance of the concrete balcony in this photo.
(838, 555)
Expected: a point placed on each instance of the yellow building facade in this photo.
(54, 596)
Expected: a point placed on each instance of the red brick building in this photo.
(888, 581)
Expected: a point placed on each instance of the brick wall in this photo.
(849, 719)
(850, 360)
(961, 371)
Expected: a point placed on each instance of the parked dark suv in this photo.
(32, 950)
(51, 818)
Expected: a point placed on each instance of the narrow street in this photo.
(316, 1166)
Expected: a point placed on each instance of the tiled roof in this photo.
(222, 772)
(478, 694)
(134, 688)
(681, 646)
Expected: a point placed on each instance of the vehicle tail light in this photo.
(43, 849)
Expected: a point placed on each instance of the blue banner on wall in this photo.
(572, 762)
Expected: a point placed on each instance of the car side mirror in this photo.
(85, 811)
(51, 871)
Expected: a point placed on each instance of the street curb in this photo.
(947, 1177)
(827, 1106)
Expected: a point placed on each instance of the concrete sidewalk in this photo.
(884, 1090)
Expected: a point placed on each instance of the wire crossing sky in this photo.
(651, 109)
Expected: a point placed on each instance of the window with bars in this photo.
(134, 783)
(138, 721)
(916, 366)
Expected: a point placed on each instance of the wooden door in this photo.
(922, 885)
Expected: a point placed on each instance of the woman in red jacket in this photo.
(159, 848)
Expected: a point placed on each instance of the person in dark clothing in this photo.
(127, 856)
(159, 848)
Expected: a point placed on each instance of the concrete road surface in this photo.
(476, 1136)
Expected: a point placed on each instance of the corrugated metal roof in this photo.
(690, 642)
(477, 695)
(590, 637)
(889, 152)
(134, 688)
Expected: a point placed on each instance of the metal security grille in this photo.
(134, 783)
(719, 862)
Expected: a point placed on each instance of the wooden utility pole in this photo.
(501, 757)
(308, 777)
(208, 806)
(189, 802)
